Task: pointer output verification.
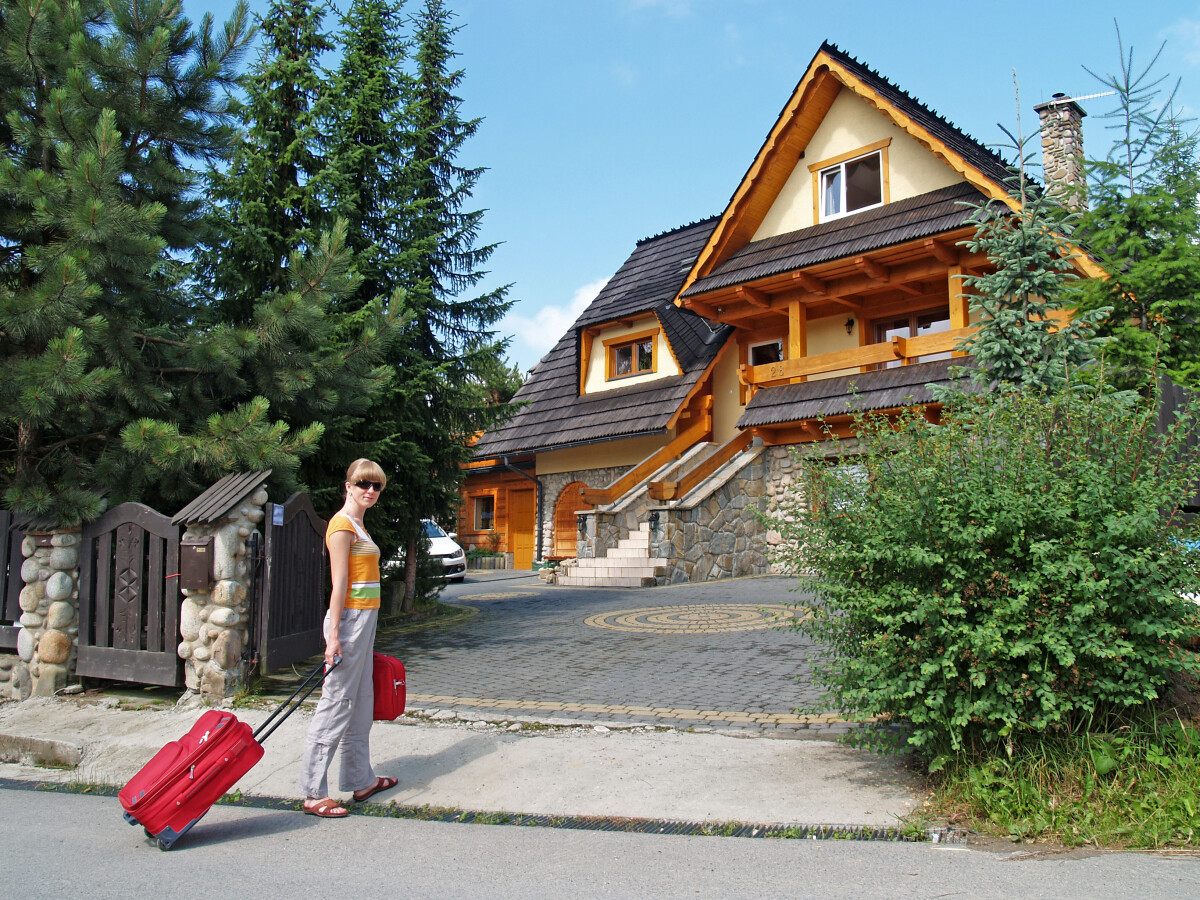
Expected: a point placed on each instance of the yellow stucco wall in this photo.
(664, 361)
(852, 123)
(727, 408)
(829, 334)
(628, 452)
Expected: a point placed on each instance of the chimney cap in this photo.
(1060, 101)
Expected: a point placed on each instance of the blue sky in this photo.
(607, 121)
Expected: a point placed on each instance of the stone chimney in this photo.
(1062, 150)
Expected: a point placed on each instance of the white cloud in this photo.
(534, 334)
(675, 8)
(624, 74)
(1186, 34)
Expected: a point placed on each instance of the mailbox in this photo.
(196, 564)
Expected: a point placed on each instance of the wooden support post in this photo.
(797, 331)
(960, 306)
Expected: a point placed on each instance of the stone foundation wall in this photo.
(214, 625)
(48, 640)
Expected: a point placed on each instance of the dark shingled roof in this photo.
(882, 389)
(554, 415)
(653, 273)
(894, 223)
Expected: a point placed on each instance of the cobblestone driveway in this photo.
(701, 656)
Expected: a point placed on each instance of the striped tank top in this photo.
(363, 591)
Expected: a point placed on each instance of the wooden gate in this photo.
(293, 590)
(11, 559)
(129, 597)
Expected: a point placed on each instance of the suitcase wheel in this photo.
(132, 820)
(164, 845)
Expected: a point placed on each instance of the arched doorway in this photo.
(565, 527)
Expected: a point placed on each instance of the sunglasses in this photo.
(366, 485)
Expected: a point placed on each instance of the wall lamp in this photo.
(581, 522)
(654, 520)
(850, 326)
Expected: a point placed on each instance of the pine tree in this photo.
(1144, 224)
(119, 383)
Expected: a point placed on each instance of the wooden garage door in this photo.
(566, 530)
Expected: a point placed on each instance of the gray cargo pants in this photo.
(344, 713)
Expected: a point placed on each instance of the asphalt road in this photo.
(79, 846)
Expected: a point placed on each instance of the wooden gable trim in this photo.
(704, 382)
(779, 154)
(783, 149)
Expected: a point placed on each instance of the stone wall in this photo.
(727, 534)
(48, 640)
(552, 488)
(214, 625)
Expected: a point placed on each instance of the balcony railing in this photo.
(897, 349)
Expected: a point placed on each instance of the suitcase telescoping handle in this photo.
(291, 704)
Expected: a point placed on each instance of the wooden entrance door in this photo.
(522, 515)
(566, 529)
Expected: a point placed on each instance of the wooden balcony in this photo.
(906, 350)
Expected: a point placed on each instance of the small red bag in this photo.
(387, 675)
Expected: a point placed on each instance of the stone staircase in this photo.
(629, 564)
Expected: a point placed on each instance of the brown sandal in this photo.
(326, 809)
(382, 783)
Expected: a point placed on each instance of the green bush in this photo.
(1011, 570)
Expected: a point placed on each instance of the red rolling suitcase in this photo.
(387, 676)
(185, 778)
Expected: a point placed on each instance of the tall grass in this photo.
(1135, 785)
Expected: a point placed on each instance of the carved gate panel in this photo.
(129, 597)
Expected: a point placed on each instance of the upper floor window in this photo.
(851, 182)
(851, 186)
(630, 355)
(916, 324)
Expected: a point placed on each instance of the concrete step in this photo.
(608, 562)
(622, 581)
(634, 543)
(629, 552)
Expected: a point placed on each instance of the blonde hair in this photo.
(365, 468)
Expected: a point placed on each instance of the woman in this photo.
(344, 714)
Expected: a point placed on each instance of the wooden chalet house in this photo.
(667, 415)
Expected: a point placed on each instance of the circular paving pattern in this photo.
(498, 595)
(698, 618)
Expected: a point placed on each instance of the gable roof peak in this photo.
(846, 59)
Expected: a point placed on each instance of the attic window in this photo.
(851, 182)
(630, 355)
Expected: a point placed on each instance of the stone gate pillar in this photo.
(215, 619)
(49, 635)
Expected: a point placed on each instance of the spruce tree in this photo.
(1143, 223)
(1027, 338)
(449, 336)
(269, 198)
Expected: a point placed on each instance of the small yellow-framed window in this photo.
(483, 512)
(851, 182)
(631, 354)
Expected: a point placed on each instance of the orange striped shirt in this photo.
(362, 591)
